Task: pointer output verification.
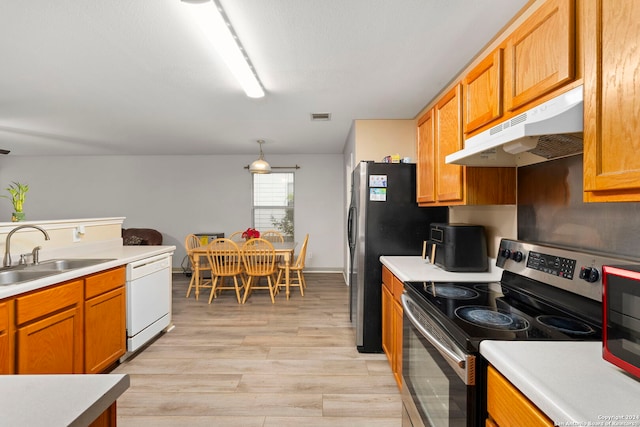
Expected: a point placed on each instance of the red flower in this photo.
(250, 233)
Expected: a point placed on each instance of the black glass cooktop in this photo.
(472, 312)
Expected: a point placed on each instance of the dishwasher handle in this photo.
(146, 266)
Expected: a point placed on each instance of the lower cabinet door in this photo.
(51, 345)
(387, 324)
(6, 338)
(105, 330)
(397, 340)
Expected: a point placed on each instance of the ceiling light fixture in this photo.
(260, 165)
(218, 30)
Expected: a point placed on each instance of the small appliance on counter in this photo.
(459, 247)
(621, 316)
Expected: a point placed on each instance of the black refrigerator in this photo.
(384, 219)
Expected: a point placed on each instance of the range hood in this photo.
(547, 131)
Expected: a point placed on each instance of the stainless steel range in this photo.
(545, 293)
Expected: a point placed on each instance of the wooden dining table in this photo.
(284, 249)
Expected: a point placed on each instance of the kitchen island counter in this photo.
(568, 381)
(58, 400)
(417, 269)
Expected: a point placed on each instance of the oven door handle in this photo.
(446, 352)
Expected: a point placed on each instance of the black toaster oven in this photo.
(459, 247)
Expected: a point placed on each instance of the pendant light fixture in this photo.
(260, 165)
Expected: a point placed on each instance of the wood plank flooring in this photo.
(292, 363)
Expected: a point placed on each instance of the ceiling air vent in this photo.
(320, 117)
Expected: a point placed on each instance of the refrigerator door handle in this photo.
(350, 226)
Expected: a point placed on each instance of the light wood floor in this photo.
(292, 363)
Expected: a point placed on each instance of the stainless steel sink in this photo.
(12, 277)
(24, 273)
(67, 264)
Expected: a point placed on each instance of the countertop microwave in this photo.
(621, 316)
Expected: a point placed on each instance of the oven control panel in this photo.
(572, 270)
(551, 264)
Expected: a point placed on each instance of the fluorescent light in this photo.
(219, 32)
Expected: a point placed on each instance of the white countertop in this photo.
(417, 269)
(568, 381)
(57, 400)
(119, 254)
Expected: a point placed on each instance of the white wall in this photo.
(178, 195)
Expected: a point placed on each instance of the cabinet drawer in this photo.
(102, 282)
(43, 302)
(508, 407)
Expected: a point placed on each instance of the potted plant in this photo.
(18, 192)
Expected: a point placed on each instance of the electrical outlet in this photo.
(78, 233)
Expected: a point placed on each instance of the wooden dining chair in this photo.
(191, 242)
(236, 236)
(225, 262)
(296, 267)
(273, 236)
(259, 260)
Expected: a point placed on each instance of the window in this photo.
(273, 202)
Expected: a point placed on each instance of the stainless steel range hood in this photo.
(547, 131)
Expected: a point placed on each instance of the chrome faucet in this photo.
(6, 262)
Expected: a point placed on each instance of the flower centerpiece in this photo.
(250, 233)
(18, 193)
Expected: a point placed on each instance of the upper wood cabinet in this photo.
(425, 167)
(441, 184)
(448, 139)
(540, 54)
(482, 92)
(612, 101)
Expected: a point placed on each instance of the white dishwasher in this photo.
(148, 300)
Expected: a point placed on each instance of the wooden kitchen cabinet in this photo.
(536, 61)
(611, 101)
(448, 139)
(71, 328)
(392, 312)
(387, 321)
(49, 330)
(425, 165)
(440, 134)
(482, 92)
(507, 406)
(540, 55)
(6, 337)
(104, 320)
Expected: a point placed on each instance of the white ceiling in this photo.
(105, 77)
